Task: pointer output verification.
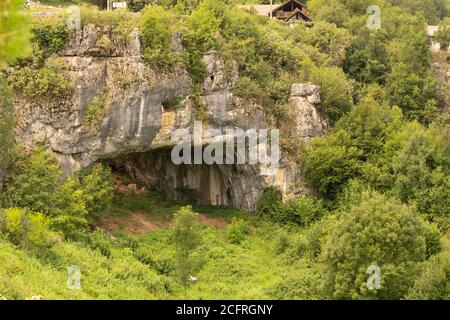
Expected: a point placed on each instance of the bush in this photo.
(6, 128)
(237, 230)
(330, 161)
(378, 231)
(268, 202)
(157, 28)
(50, 38)
(336, 92)
(370, 125)
(47, 83)
(95, 111)
(301, 210)
(35, 184)
(433, 282)
(25, 228)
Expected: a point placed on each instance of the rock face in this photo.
(143, 109)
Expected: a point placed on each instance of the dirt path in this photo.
(141, 223)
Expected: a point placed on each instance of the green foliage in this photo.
(27, 229)
(300, 210)
(304, 285)
(157, 28)
(329, 39)
(332, 11)
(44, 84)
(433, 282)
(237, 230)
(370, 125)
(50, 38)
(442, 36)
(329, 162)
(187, 238)
(268, 202)
(95, 111)
(335, 91)
(204, 25)
(411, 92)
(379, 231)
(14, 32)
(6, 127)
(415, 163)
(35, 184)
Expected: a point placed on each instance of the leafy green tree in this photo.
(157, 28)
(187, 238)
(416, 166)
(433, 282)
(335, 91)
(332, 11)
(329, 162)
(370, 124)
(378, 231)
(328, 39)
(34, 182)
(14, 32)
(14, 43)
(442, 36)
(411, 92)
(6, 128)
(25, 228)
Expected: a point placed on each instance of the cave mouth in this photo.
(193, 183)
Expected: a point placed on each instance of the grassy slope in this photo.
(246, 271)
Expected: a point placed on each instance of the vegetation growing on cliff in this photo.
(380, 178)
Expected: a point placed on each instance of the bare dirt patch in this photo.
(134, 223)
(213, 222)
(141, 223)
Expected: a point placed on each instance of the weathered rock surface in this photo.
(139, 119)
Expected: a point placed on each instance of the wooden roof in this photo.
(265, 9)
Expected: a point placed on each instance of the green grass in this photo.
(160, 208)
(142, 267)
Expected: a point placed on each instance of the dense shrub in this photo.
(157, 29)
(26, 228)
(433, 282)
(35, 183)
(95, 111)
(379, 231)
(237, 230)
(50, 38)
(329, 162)
(6, 127)
(47, 83)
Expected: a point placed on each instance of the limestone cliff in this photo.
(138, 118)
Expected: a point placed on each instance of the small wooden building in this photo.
(290, 10)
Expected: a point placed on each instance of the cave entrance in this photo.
(198, 184)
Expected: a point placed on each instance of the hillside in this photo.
(201, 150)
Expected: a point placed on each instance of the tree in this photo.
(411, 92)
(14, 43)
(416, 164)
(187, 238)
(370, 124)
(33, 184)
(328, 39)
(329, 162)
(442, 36)
(335, 91)
(381, 232)
(14, 32)
(332, 11)
(433, 282)
(6, 128)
